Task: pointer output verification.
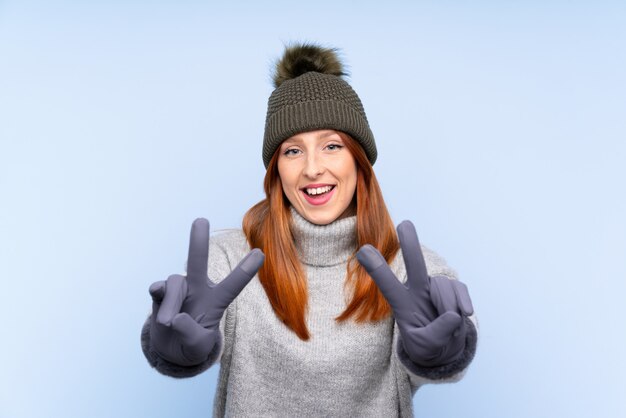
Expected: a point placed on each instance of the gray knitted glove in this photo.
(186, 310)
(429, 311)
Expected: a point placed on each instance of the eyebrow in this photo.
(326, 135)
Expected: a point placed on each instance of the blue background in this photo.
(501, 131)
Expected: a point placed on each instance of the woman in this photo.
(320, 322)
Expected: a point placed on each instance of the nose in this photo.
(314, 166)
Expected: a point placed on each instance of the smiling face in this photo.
(318, 175)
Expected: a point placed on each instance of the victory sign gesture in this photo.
(186, 310)
(430, 311)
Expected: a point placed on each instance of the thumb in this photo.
(442, 329)
(185, 325)
(433, 345)
(197, 341)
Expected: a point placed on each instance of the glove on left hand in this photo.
(429, 311)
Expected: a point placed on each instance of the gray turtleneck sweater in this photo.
(344, 370)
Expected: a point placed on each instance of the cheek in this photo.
(285, 185)
(352, 188)
(283, 175)
(346, 172)
(350, 173)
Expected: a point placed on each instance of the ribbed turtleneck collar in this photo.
(324, 245)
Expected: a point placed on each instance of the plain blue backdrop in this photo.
(501, 134)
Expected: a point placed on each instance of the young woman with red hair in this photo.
(325, 316)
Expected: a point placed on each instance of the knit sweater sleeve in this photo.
(450, 373)
(218, 268)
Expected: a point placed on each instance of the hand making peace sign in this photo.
(186, 310)
(429, 311)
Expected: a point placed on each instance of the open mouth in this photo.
(319, 195)
(318, 191)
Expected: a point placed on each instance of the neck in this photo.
(324, 245)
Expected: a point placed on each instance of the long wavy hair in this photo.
(268, 226)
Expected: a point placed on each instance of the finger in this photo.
(157, 291)
(443, 295)
(376, 265)
(463, 298)
(196, 340)
(228, 289)
(175, 293)
(417, 275)
(198, 258)
(450, 295)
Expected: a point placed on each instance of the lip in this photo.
(316, 185)
(320, 200)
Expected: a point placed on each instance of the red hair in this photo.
(268, 226)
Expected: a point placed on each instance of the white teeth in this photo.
(318, 190)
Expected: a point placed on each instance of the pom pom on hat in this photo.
(302, 58)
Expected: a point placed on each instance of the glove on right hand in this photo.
(186, 310)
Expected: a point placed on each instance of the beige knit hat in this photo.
(311, 94)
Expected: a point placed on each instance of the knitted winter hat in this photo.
(310, 94)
